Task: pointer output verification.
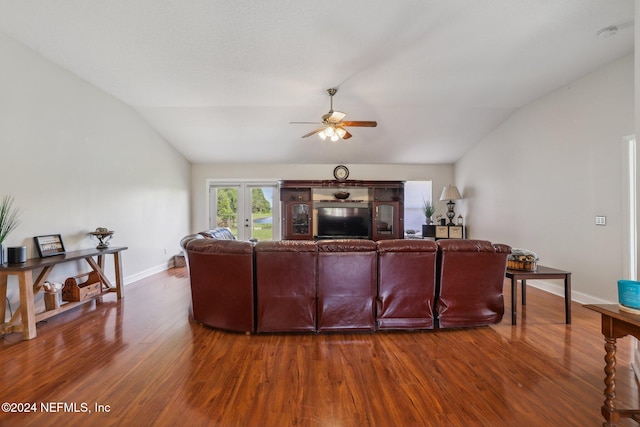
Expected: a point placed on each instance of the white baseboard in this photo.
(148, 272)
(554, 288)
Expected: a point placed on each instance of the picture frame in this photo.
(49, 245)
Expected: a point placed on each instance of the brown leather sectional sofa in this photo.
(345, 285)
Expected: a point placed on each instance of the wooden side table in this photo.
(541, 272)
(28, 288)
(616, 323)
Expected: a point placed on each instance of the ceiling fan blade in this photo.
(336, 116)
(314, 132)
(347, 135)
(367, 124)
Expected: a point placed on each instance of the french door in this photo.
(247, 208)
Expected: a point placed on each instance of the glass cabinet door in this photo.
(300, 224)
(384, 219)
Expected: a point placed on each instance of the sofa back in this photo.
(471, 281)
(346, 284)
(221, 274)
(406, 284)
(286, 285)
(280, 286)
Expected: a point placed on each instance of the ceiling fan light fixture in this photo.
(330, 131)
(332, 124)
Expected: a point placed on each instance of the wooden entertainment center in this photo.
(307, 207)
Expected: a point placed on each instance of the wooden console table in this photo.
(541, 272)
(616, 323)
(29, 288)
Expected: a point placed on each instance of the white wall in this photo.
(637, 111)
(538, 180)
(441, 175)
(75, 159)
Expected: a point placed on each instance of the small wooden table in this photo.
(616, 323)
(541, 272)
(28, 288)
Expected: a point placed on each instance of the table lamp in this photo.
(450, 193)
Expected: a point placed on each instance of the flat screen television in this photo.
(336, 222)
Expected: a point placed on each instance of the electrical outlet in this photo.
(601, 220)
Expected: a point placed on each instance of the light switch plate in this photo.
(601, 220)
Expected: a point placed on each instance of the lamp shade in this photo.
(450, 192)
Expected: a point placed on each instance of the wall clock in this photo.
(341, 172)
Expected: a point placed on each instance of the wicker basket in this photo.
(522, 259)
(514, 264)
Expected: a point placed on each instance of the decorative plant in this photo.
(8, 217)
(429, 210)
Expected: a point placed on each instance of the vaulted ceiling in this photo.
(222, 80)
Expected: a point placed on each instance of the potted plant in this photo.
(428, 230)
(8, 221)
(429, 210)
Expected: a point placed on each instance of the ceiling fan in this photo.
(333, 127)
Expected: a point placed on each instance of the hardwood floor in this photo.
(148, 363)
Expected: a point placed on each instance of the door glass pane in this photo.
(227, 208)
(261, 218)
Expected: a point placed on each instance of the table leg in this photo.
(103, 285)
(118, 268)
(27, 308)
(567, 298)
(3, 295)
(609, 406)
(514, 301)
(523, 282)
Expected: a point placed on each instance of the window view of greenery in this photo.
(260, 212)
(227, 215)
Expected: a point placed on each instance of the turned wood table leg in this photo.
(609, 406)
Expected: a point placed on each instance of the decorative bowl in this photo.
(629, 294)
(341, 195)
